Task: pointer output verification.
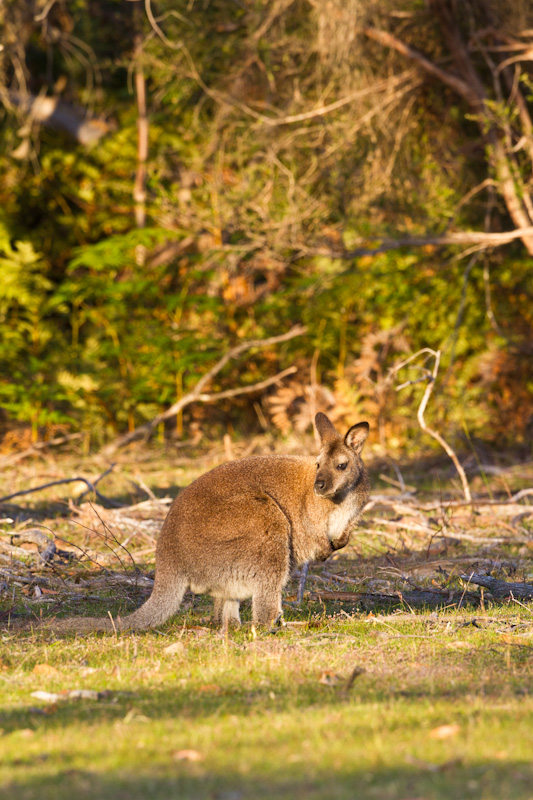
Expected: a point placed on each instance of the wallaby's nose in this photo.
(320, 483)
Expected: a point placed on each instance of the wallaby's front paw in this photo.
(278, 623)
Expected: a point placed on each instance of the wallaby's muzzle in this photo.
(322, 489)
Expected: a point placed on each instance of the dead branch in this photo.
(45, 544)
(421, 61)
(157, 30)
(197, 394)
(431, 376)
(499, 588)
(414, 599)
(90, 487)
(95, 483)
(483, 239)
(277, 9)
(467, 83)
(225, 99)
(11, 577)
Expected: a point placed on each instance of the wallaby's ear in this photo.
(356, 436)
(325, 428)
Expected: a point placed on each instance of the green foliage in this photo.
(98, 332)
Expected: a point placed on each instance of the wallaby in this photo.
(238, 531)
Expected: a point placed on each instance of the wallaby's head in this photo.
(339, 466)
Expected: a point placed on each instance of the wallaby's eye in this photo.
(342, 466)
(317, 466)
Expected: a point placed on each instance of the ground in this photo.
(362, 695)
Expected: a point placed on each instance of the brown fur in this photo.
(238, 531)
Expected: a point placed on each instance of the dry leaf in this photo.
(188, 755)
(174, 648)
(329, 678)
(210, 687)
(444, 731)
(26, 733)
(45, 669)
(48, 697)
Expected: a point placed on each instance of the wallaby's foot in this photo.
(278, 623)
(266, 609)
(226, 613)
(272, 627)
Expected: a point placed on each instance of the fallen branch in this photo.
(499, 588)
(45, 544)
(481, 238)
(414, 599)
(197, 394)
(90, 487)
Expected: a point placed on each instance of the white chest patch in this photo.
(339, 519)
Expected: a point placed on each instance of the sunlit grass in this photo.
(275, 716)
(340, 704)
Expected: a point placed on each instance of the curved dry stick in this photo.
(197, 395)
(430, 377)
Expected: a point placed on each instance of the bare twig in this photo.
(466, 82)
(155, 27)
(220, 97)
(430, 377)
(107, 530)
(94, 483)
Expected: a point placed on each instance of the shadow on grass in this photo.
(185, 781)
(195, 701)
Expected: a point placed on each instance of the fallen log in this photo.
(416, 599)
(499, 588)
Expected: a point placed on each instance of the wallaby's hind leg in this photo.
(266, 607)
(217, 610)
(226, 612)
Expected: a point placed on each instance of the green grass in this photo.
(277, 716)
(274, 717)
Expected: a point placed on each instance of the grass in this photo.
(275, 716)
(341, 703)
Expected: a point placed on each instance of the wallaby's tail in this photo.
(162, 604)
